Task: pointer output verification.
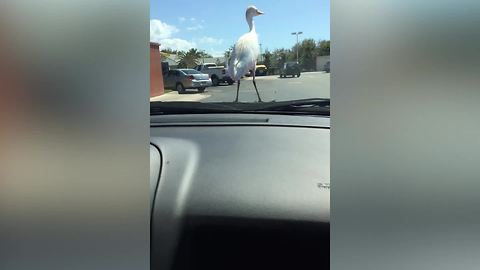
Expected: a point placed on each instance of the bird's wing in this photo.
(244, 55)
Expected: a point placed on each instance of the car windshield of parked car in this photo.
(247, 54)
(190, 71)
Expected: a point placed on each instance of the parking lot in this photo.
(308, 85)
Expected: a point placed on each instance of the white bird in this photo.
(245, 52)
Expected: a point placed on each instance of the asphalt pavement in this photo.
(308, 85)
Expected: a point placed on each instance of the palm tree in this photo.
(189, 59)
(228, 52)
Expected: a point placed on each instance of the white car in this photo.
(217, 73)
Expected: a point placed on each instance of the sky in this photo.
(215, 25)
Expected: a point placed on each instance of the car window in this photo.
(195, 40)
(191, 71)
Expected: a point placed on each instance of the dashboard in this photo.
(240, 191)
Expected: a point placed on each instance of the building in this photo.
(217, 60)
(321, 61)
(156, 75)
(171, 59)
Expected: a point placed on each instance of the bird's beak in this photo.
(259, 12)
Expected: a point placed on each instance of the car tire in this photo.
(298, 75)
(230, 82)
(180, 89)
(201, 89)
(214, 81)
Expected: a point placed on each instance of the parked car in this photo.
(326, 67)
(260, 70)
(217, 74)
(181, 79)
(290, 68)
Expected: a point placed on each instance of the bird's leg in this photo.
(255, 85)
(238, 87)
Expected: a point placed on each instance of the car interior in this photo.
(240, 191)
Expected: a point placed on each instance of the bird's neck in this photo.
(251, 24)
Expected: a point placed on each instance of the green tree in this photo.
(323, 47)
(169, 51)
(228, 52)
(307, 54)
(277, 58)
(267, 60)
(189, 59)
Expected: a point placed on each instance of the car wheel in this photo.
(180, 89)
(298, 75)
(201, 89)
(230, 82)
(214, 81)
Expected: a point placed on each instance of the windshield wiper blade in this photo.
(315, 106)
(300, 106)
(190, 107)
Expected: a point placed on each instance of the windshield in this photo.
(249, 53)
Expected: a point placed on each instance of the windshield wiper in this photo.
(319, 106)
(311, 106)
(190, 107)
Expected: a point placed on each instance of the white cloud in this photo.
(177, 44)
(216, 53)
(195, 24)
(210, 40)
(160, 30)
(163, 33)
(195, 27)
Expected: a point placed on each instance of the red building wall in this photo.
(156, 77)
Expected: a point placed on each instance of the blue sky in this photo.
(214, 25)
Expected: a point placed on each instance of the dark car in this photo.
(326, 67)
(290, 69)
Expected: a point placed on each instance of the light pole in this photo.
(261, 56)
(297, 33)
